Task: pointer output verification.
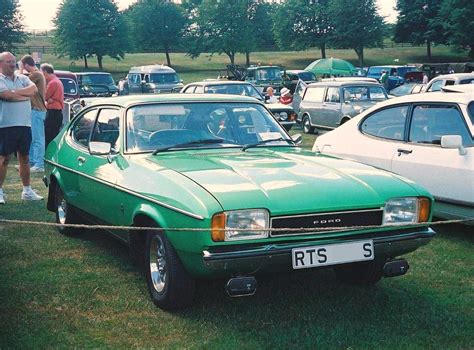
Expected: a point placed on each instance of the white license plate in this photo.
(332, 254)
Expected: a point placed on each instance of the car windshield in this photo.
(167, 127)
(70, 86)
(375, 70)
(164, 78)
(471, 111)
(97, 79)
(363, 93)
(307, 76)
(273, 73)
(402, 90)
(234, 89)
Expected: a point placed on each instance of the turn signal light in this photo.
(218, 227)
(424, 205)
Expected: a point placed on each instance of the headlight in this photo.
(407, 210)
(282, 115)
(240, 224)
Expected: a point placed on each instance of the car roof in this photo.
(152, 68)
(219, 82)
(455, 76)
(86, 73)
(129, 100)
(393, 66)
(297, 71)
(460, 98)
(468, 88)
(65, 74)
(345, 83)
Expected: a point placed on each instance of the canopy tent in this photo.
(332, 67)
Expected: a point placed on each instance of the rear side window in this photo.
(107, 127)
(388, 123)
(314, 94)
(82, 128)
(332, 95)
(470, 109)
(467, 81)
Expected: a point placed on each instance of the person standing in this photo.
(54, 98)
(15, 123)
(425, 78)
(38, 114)
(384, 79)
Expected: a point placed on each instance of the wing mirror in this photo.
(297, 139)
(453, 141)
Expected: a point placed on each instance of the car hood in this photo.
(284, 180)
(280, 107)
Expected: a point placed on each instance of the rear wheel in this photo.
(65, 213)
(169, 284)
(307, 128)
(363, 273)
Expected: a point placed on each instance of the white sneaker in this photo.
(2, 198)
(31, 196)
(36, 169)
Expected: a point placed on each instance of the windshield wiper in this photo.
(185, 144)
(250, 145)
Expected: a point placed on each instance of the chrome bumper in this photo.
(256, 258)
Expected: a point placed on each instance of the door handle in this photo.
(81, 160)
(404, 151)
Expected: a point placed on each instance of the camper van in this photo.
(152, 79)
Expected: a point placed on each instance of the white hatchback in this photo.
(428, 138)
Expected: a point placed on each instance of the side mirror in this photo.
(297, 138)
(99, 148)
(452, 142)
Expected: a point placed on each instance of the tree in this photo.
(156, 25)
(357, 25)
(418, 23)
(218, 26)
(456, 18)
(90, 27)
(301, 24)
(11, 28)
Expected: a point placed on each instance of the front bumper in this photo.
(273, 256)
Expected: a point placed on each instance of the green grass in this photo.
(207, 66)
(83, 292)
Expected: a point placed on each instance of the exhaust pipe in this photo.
(241, 286)
(397, 267)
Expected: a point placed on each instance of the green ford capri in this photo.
(223, 191)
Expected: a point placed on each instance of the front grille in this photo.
(366, 217)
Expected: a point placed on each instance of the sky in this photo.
(38, 14)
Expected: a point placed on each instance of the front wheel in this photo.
(307, 128)
(65, 213)
(169, 284)
(362, 273)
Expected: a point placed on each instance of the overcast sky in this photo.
(38, 14)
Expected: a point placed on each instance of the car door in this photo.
(331, 108)
(446, 173)
(298, 96)
(100, 172)
(134, 83)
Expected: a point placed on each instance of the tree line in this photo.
(96, 28)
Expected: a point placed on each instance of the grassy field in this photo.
(207, 66)
(83, 292)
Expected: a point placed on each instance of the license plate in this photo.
(332, 254)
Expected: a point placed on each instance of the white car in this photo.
(428, 138)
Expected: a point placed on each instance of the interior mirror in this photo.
(453, 141)
(99, 148)
(297, 138)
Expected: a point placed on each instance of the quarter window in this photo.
(388, 123)
(82, 128)
(430, 122)
(315, 94)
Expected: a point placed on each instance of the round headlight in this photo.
(283, 115)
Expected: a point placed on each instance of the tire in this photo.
(65, 214)
(307, 128)
(169, 284)
(363, 273)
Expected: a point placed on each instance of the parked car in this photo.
(222, 190)
(264, 76)
(327, 105)
(283, 113)
(71, 94)
(428, 138)
(396, 74)
(406, 89)
(437, 83)
(152, 79)
(93, 84)
(291, 78)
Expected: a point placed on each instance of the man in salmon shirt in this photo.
(54, 98)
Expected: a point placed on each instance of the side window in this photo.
(107, 127)
(199, 90)
(430, 122)
(82, 128)
(388, 123)
(436, 86)
(449, 82)
(190, 89)
(467, 81)
(332, 95)
(314, 94)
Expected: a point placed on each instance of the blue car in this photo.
(396, 74)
